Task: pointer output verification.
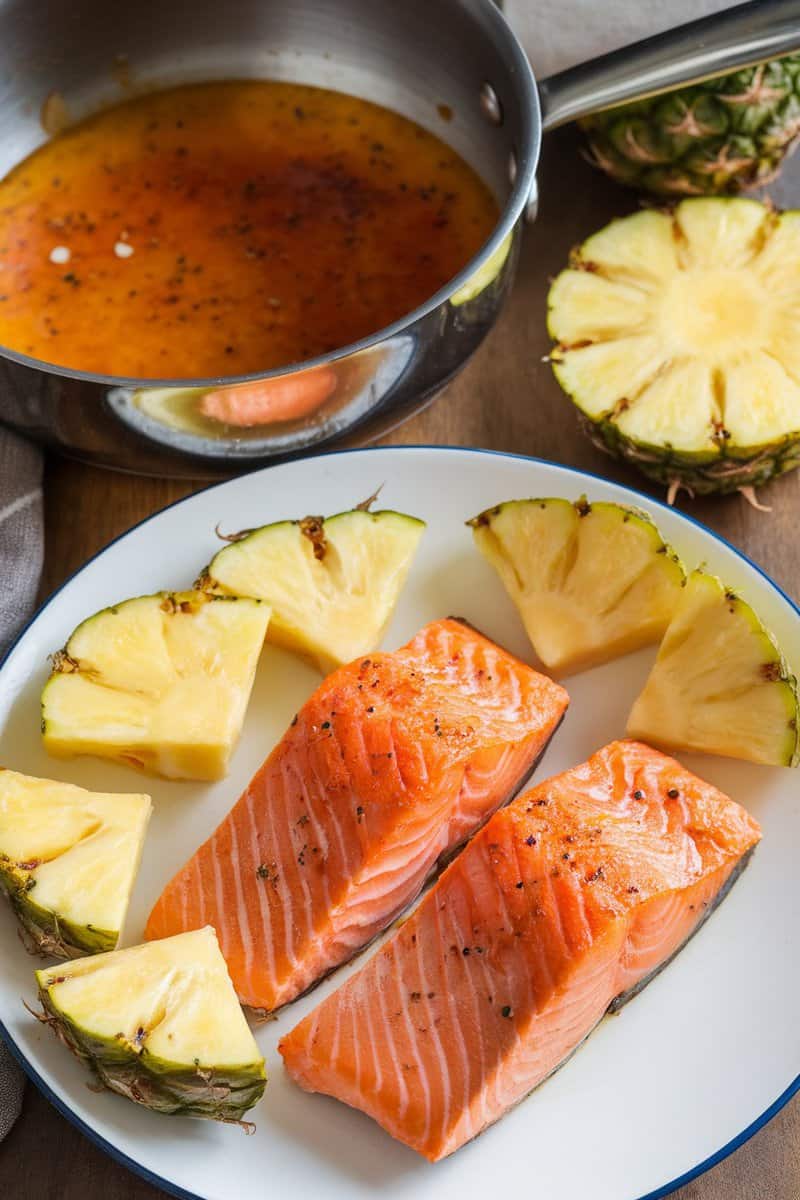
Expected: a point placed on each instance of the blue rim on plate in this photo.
(173, 1189)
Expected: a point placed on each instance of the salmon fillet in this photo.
(394, 762)
(565, 904)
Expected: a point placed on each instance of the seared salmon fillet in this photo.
(394, 762)
(564, 905)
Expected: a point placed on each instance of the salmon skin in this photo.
(393, 763)
(563, 905)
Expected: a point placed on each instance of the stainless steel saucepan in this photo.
(423, 58)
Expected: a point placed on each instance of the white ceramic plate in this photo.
(687, 1072)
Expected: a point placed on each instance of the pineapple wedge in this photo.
(332, 583)
(719, 683)
(159, 682)
(591, 581)
(160, 1024)
(68, 861)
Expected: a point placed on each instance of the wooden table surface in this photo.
(506, 399)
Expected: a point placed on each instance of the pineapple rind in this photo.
(49, 933)
(719, 136)
(123, 1061)
(700, 473)
(222, 1094)
(591, 581)
(742, 702)
(332, 600)
(68, 861)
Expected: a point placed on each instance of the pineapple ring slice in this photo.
(332, 583)
(68, 861)
(719, 683)
(160, 1024)
(591, 581)
(678, 339)
(160, 683)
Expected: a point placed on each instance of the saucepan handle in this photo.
(727, 41)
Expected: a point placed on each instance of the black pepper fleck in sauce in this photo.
(305, 218)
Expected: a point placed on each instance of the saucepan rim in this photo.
(526, 156)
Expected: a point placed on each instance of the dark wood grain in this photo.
(506, 400)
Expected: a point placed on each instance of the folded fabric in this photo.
(21, 549)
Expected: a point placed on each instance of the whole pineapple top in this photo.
(716, 137)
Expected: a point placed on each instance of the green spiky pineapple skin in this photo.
(47, 934)
(701, 474)
(163, 1087)
(708, 139)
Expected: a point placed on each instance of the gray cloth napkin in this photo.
(21, 549)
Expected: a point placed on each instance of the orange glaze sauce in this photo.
(227, 228)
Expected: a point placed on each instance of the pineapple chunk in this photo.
(719, 683)
(677, 408)
(586, 307)
(332, 583)
(591, 581)
(641, 248)
(160, 683)
(160, 1024)
(605, 371)
(68, 861)
(678, 340)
